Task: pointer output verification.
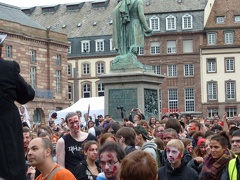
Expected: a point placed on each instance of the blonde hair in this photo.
(177, 144)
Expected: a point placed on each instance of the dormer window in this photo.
(220, 19)
(85, 46)
(99, 45)
(154, 23)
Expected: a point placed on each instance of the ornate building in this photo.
(42, 56)
(220, 58)
(173, 51)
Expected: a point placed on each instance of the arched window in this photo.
(170, 23)
(154, 23)
(86, 90)
(100, 90)
(187, 21)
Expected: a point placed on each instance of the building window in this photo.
(111, 45)
(58, 60)
(156, 69)
(212, 112)
(60, 108)
(172, 99)
(100, 68)
(172, 70)
(100, 90)
(212, 91)
(160, 100)
(220, 19)
(85, 46)
(99, 45)
(211, 66)
(70, 92)
(8, 51)
(69, 69)
(231, 112)
(189, 100)
(171, 47)
(86, 91)
(33, 77)
(155, 47)
(187, 46)
(170, 23)
(229, 65)
(32, 56)
(230, 90)
(86, 69)
(58, 81)
(154, 23)
(228, 37)
(187, 21)
(69, 49)
(188, 70)
(37, 116)
(236, 18)
(141, 51)
(211, 38)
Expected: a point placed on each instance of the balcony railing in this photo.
(43, 93)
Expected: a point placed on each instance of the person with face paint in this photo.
(110, 157)
(88, 169)
(176, 166)
(200, 149)
(188, 152)
(168, 135)
(69, 146)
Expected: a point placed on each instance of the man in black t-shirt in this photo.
(69, 146)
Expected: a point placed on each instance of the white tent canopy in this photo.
(96, 107)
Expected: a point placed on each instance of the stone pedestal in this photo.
(131, 89)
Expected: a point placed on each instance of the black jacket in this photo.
(12, 88)
(82, 172)
(182, 173)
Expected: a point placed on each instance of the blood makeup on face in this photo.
(72, 121)
(173, 154)
(107, 158)
(93, 152)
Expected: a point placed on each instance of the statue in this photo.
(129, 28)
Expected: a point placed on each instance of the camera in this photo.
(135, 109)
(119, 107)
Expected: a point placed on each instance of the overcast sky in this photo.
(30, 3)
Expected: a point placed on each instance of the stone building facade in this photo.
(220, 59)
(42, 56)
(173, 51)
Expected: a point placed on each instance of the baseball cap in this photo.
(141, 130)
(200, 141)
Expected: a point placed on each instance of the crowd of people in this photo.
(175, 147)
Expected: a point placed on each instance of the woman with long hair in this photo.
(88, 169)
(152, 122)
(218, 158)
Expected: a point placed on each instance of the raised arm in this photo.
(225, 124)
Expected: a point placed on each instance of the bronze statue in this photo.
(129, 25)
